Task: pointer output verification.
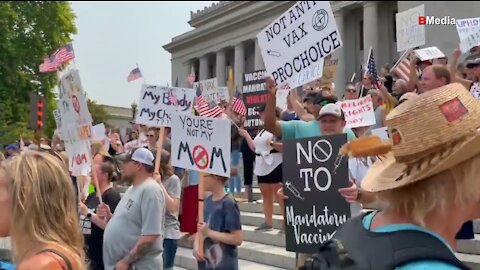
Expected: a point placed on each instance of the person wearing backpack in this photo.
(428, 178)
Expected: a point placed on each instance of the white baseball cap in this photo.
(331, 109)
(142, 155)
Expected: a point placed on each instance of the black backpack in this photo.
(356, 248)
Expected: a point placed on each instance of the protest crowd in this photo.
(379, 173)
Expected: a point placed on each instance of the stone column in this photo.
(203, 72)
(340, 55)
(239, 67)
(258, 62)
(221, 68)
(370, 29)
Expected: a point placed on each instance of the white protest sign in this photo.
(201, 144)
(410, 33)
(358, 112)
(381, 132)
(294, 45)
(429, 53)
(469, 33)
(282, 95)
(158, 103)
(99, 133)
(79, 157)
(212, 93)
(72, 104)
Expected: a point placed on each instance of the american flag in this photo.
(172, 97)
(371, 67)
(64, 54)
(134, 74)
(204, 109)
(237, 104)
(402, 67)
(48, 65)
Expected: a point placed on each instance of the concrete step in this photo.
(256, 219)
(272, 238)
(472, 261)
(257, 207)
(471, 246)
(185, 259)
(476, 226)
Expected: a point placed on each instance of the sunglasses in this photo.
(150, 135)
(351, 90)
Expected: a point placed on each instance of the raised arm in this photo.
(271, 123)
(453, 70)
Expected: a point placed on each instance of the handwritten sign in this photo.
(281, 96)
(158, 103)
(429, 53)
(329, 71)
(201, 144)
(314, 208)
(294, 45)
(212, 93)
(358, 112)
(79, 157)
(254, 94)
(469, 33)
(410, 33)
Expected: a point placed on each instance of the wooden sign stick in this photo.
(95, 180)
(201, 197)
(159, 149)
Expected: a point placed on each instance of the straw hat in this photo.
(428, 135)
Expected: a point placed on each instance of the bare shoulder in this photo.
(40, 262)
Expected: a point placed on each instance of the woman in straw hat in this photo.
(424, 176)
(40, 214)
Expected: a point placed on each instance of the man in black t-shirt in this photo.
(93, 226)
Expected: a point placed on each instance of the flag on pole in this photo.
(48, 65)
(371, 67)
(135, 74)
(204, 109)
(402, 67)
(64, 54)
(237, 104)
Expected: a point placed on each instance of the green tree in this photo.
(29, 31)
(98, 112)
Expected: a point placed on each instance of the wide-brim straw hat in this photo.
(429, 134)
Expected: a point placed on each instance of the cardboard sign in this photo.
(314, 208)
(469, 33)
(382, 133)
(410, 33)
(131, 145)
(72, 105)
(79, 157)
(99, 133)
(254, 94)
(429, 53)
(329, 71)
(212, 93)
(201, 144)
(358, 112)
(294, 45)
(158, 103)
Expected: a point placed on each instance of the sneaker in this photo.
(264, 227)
(281, 231)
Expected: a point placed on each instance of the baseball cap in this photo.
(11, 147)
(140, 155)
(473, 63)
(331, 109)
(311, 97)
(260, 108)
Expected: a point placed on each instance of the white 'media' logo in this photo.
(432, 20)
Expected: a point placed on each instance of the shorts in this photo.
(274, 177)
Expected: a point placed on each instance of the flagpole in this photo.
(404, 55)
(366, 69)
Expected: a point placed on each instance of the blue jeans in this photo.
(169, 251)
(235, 182)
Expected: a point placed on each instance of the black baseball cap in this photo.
(472, 63)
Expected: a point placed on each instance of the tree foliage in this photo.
(98, 112)
(29, 31)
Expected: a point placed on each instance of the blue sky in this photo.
(114, 36)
